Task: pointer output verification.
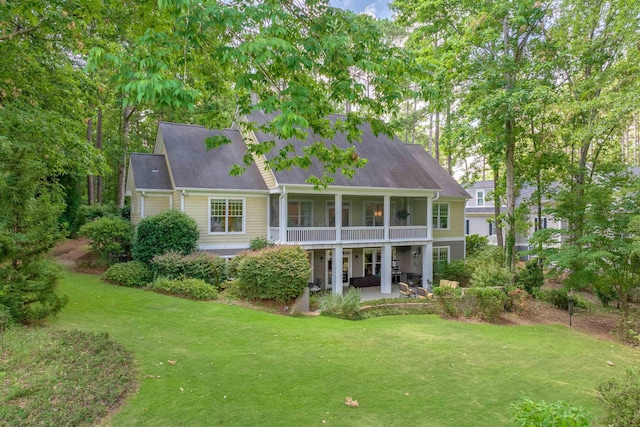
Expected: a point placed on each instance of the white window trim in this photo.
(244, 215)
(290, 201)
(478, 193)
(448, 215)
(437, 249)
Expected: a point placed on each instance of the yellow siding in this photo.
(135, 207)
(154, 204)
(456, 220)
(197, 206)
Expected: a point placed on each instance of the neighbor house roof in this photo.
(390, 163)
(150, 171)
(194, 166)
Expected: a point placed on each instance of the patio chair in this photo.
(316, 285)
(423, 293)
(406, 291)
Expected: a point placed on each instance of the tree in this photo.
(485, 50)
(299, 60)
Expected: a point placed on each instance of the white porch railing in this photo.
(350, 234)
(408, 232)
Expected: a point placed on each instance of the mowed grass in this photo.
(239, 367)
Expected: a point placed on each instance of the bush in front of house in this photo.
(232, 266)
(448, 299)
(491, 275)
(529, 413)
(486, 303)
(474, 244)
(457, 270)
(186, 287)
(621, 399)
(110, 236)
(345, 306)
(279, 273)
(530, 278)
(133, 274)
(199, 265)
(170, 230)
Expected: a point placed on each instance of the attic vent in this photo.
(154, 170)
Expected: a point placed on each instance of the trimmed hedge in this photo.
(279, 273)
(187, 287)
(487, 303)
(200, 265)
(133, 274)
(170, 230)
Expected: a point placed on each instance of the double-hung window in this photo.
(440, 216)
(480, 198)
(440, 254)
(374, 214)
(226, 215)
(299, 213)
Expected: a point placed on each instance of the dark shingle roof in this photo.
(193, 166)
(150, 171)
(391, 163)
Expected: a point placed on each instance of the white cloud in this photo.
(371, 10)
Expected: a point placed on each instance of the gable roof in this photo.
(150, 171)
(193, 166)
(391, 163)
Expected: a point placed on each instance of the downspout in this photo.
(142, 205)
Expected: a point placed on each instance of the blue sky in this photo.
(377, 8)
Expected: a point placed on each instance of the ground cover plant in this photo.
(205, 363)
(61, 378)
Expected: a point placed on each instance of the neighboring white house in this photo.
(480, 211)
(398, 214)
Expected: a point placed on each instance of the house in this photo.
(390, 222)
(480, 210)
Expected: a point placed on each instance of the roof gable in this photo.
(149, 171)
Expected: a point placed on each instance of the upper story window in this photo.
(299, 213)
(374, 214)
(535, 224)
(440, 216)
(480, 198)
(226, 215)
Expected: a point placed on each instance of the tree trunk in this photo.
(99, 147)
(436, 138)
(90, 188)
(122, 167)
(510, 241)
(448, 127)
(497, 203)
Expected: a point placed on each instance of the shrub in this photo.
(133, 274)
(518, 300)
(456, 270)
(260, 243)
(110, 236)
(187, 287)
(530, 278)
(487, 303)
(342, 306)
(448, 299)
(232, 266)
(201, 265)
(475, 243)
(6, 319)
(529, 413)
(279, 273)
(88, 213)
(170, 230)
(488, 255)
(491, 275)
(621, 399)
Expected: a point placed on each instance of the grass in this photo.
(237, 366)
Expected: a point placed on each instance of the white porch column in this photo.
(427, 266)
(338, 213)
(429, 218)
(182, 194)
(283, 212)
(387, 219)
(385, 270)
(336, 271)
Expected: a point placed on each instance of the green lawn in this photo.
(236, 366)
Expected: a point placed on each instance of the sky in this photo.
(377, 8)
